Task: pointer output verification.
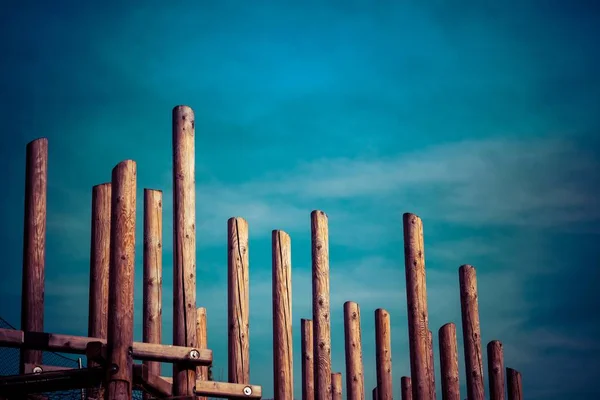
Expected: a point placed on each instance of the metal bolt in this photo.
(194, 354)
(247, 390)
(37, 370)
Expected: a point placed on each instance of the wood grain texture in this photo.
(383, 354)
(202, 335)
(431, 366)
(336, 386)
(405, 388)
(121, 280)
(184, 244)
(282, 316)
(495, 358)
(321, 305)
(308, 364)
(471, 332)
(449, 362)
(34, 244)
(355, 382)
(514, 383)
(416, 297)
(99, 271)
(152, 291)
(238, 301)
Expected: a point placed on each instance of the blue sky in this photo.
(482, 118)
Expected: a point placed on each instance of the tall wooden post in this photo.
(34, 245)
(321, 306)
(515, 388)
(353, 345)
(121, 277)
(471, 332)
(308, 374)
(99, 271)
(383, 354)
(184, 245)
(152, 308)
(282, 316)
(416, 297)
(449, 362)
(406, 389)
(496, 370)
(202, 335)
(336, 386)
(238, 301)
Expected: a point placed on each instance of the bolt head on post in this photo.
(194, 354)
(247, 391)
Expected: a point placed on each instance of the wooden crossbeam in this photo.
(16, 385)
(38, 368)
(160, 386)
(78, 344)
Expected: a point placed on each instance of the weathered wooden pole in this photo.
(282, 316)
(121, 281)
(431, 365)
(202, 336)
(321, 306)
(308, 372)
(184, 245)
(514, 383)
(99, 271)
(496, 370)
(375, 393)
(238, 301)
(355, 382)
(34, 245)
(471, 332)
(336, 386)
(152, 308)
(383, 354)
(416, 297)
(406, 389)
(449, 362)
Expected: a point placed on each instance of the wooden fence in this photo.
(111, 351)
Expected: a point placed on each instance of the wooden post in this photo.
(34, 245)
(238, 301)
(121, 276)
(383, 354)
(416, 297)
(282, 316)
(513, 380)
(375, 393)
(431, 366)
(496, 370)
(308, 373)
(99, 271)
(355, 381)
(471, 332)
(202, 336)
(184, 245)
(152, 308)
(449, 362)
(321, 306)
(406, 389)
(336, 386)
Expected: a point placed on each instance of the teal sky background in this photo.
(481, 117)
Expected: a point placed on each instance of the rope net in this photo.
(9, 365)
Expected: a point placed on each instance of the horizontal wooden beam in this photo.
(78, 344)
(223, 390)
(52, 381)
(38, 368)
